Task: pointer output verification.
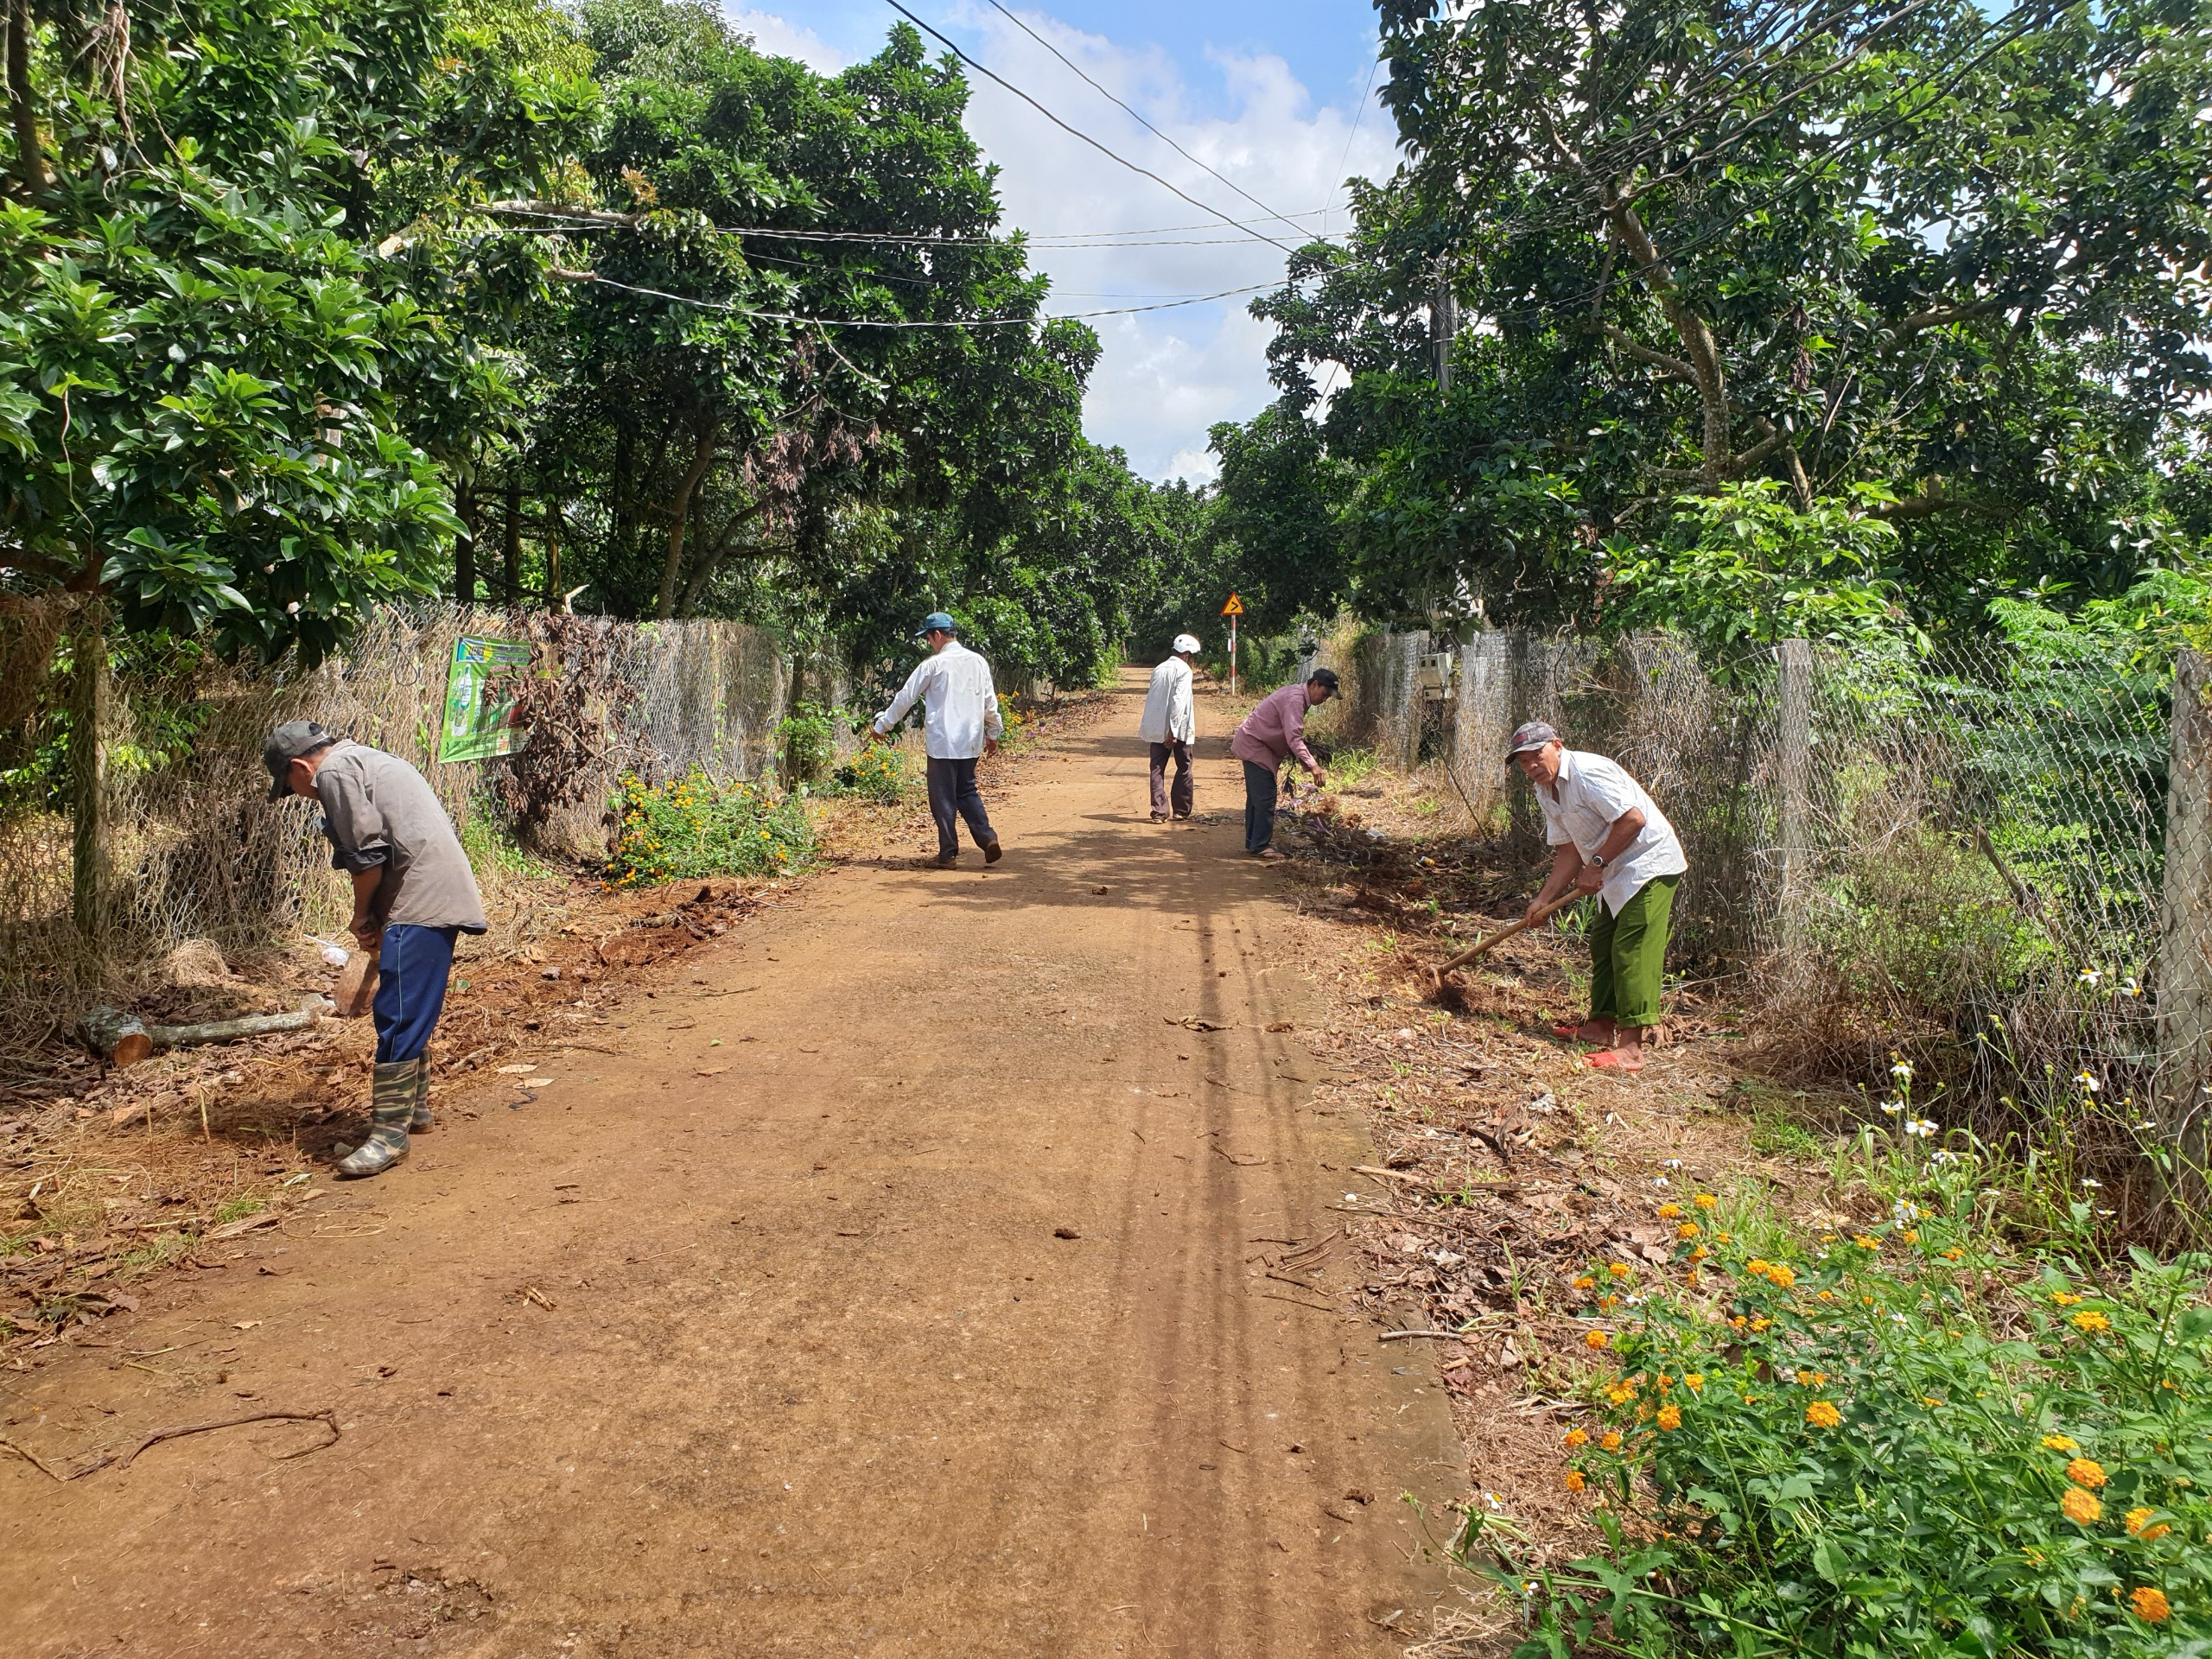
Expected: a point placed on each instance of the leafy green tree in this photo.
(1934, 266)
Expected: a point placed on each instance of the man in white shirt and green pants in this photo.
(960, 725)
(1614, 841)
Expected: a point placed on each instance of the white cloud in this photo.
(1165, 376)
(781, 39)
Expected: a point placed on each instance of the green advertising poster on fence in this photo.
(484, 699)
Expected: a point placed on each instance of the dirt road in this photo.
(807, 1366)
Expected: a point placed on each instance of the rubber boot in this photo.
(422, 1122)
(391, 1102)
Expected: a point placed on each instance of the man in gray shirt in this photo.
(413, 894)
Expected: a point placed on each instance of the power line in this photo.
(1134, 116)
(1064, 242)
(1123, 160)
(594, 278)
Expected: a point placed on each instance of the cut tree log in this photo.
(253, 1025)
(117, 1037)
(124, 1040)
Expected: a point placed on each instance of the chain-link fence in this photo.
(1978, 857)
(189, 846)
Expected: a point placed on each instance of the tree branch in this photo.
(1637, 349)
(1928, 501)
(22, 109)
(1942, 315)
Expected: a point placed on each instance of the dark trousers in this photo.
(1259, 806)
(953, 796)
(412, 965)
(1179, 752)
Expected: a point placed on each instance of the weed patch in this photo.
(1905, 1437)
(698, 827)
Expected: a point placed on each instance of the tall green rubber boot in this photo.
(421, 1122)
(391, 1102)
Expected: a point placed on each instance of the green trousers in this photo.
(1628, 955)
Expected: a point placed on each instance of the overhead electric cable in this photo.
(1064, 241)
(594, 278)
(1123, 160)
(1134, 116)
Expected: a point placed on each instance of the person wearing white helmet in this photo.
(1170, 726)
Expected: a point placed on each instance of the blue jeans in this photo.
(411, 968)
(1260, 788)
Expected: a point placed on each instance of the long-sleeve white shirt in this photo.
(954, 687)
(1590, 795)
(1170, 714)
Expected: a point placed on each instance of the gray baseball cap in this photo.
(287, 744)
(1530, 734)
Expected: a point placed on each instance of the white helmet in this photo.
(1187, 642)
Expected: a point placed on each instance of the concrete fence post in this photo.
(1484, 721)
(1795, 706)
(89, 713)
(2184, 1089)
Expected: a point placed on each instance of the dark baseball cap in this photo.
(287, 744)
(1530, 734)
(936, 622)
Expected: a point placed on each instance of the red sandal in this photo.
(1615, 1060)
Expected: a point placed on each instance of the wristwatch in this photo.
(1598, 861)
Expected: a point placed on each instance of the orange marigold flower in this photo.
(1596, 1339)
(2092, 1321)
(1585, 1283)
(1577, 1437)
(2060, 1443)
(1757, 1264)
(1822, 1415)
(1620, 1393)
(1780, 1276)
(2139, 1524)
(1761, 1323)
(2086, 1471)
(1575, 1482)
(2080, 1507)
(1619, 1269)
(1668, 1212)
(1610, 1440)
(1694, 1380)
(2064, 1298)
(1687, 1230)
(1954, 1254)
(1705, 1201)
(2150, 1605)
(1866, 1243)
(1671, 1417)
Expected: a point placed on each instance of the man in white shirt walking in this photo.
(960, 725)
(1170, 726)
(1612, 840)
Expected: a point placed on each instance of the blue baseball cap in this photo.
(936, 622)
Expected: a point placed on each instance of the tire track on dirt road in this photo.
(817, 1377)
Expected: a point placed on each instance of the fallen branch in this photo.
(1400, 1336)
(328, 1417)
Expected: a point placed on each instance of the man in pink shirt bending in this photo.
(1271, 733)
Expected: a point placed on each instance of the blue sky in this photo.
(1269, 96)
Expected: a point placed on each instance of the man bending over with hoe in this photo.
(413, 892)
(1615, 842)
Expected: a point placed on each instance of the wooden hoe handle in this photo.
(1505, 933)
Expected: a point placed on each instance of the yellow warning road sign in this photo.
(1235, 607)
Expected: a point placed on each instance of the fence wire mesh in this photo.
(1961, 857)
(193, 848)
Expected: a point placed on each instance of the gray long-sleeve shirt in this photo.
(378, 810)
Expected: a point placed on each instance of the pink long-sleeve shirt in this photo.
(1275, 728)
